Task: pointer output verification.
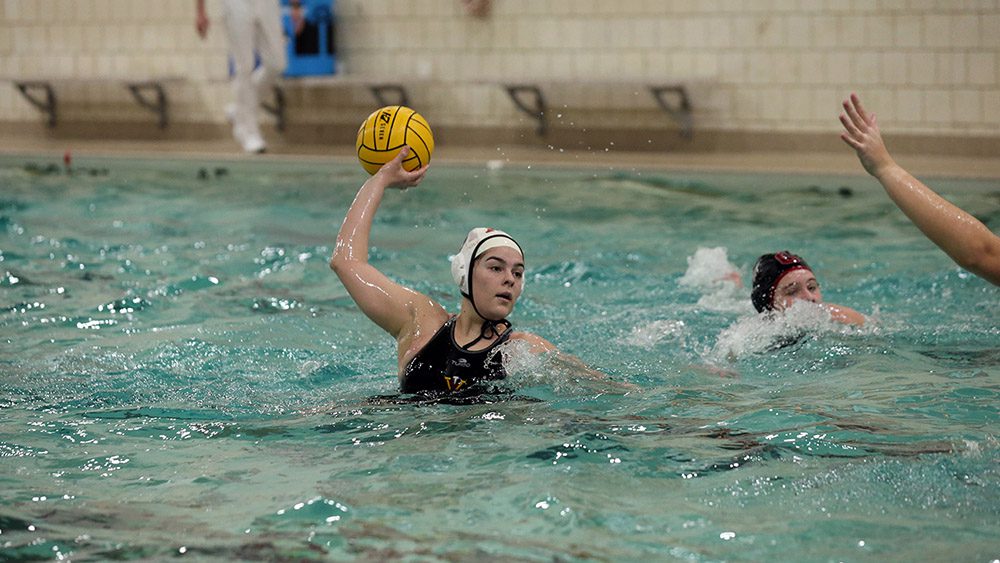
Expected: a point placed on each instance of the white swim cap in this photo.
(477, 242)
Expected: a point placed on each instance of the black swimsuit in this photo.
(442, 365)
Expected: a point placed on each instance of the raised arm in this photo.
(390, 305)
(963, 237)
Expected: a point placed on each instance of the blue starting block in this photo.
(312, 52)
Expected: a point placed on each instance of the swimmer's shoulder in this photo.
(845, 315)
(538, 344)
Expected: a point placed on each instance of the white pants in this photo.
(253, 26)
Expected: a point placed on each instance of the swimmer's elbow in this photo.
(340, 264)
(984, 260)
(341, 260)
(336, 264)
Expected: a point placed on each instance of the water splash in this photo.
(712, 274)
(522, 365)
(762, 333)
(651, 334)
(566, 374)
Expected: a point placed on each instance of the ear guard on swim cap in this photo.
(767, 272)
(477, 242)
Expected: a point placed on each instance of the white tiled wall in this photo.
(926, 66)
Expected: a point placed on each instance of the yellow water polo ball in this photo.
(383, 134)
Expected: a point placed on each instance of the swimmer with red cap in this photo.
(782, 278)
(438, 352)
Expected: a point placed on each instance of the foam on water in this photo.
(652, 333)
(562, 373)
(720, 282)
(719, 287)
(761, 333)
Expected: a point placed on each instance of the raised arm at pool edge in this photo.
(963, 237)
(385, 302)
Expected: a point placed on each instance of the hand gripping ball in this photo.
(383, 134)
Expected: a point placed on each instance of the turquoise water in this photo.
(183, 376)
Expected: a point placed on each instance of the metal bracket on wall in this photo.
(46, 105)
(680, 111)
(528, 99)
(156, 104)
(385, 95)
(534, 107)
(380, 90)
(149, 94)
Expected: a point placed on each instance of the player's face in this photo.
(498, 279)
(796, 285)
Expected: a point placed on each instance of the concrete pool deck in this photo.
(841, 162)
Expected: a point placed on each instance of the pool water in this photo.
(182, 375)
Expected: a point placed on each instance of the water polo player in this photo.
(782, 278)
(437, 352)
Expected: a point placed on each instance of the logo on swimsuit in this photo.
(454, 382)
(461, 362)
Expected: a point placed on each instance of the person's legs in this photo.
(239, 24)
(269, 39)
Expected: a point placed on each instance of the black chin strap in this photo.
(489, 331)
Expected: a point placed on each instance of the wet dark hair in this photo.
(767, 272)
